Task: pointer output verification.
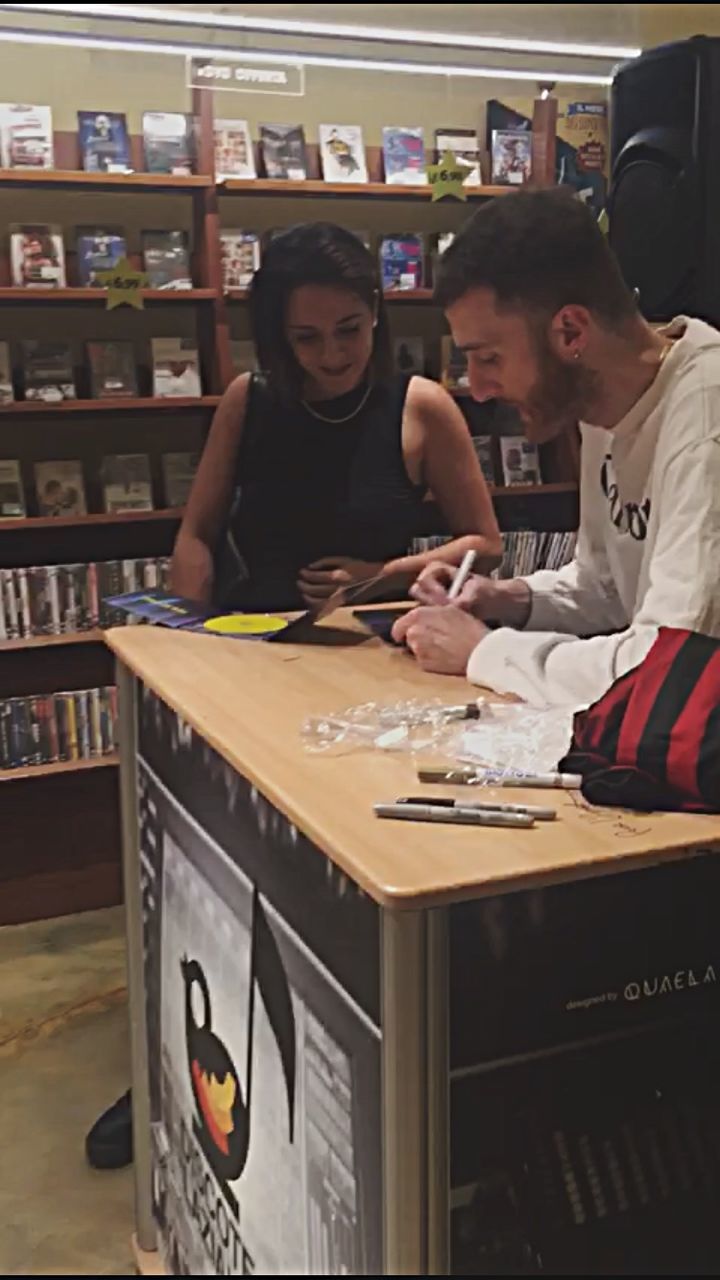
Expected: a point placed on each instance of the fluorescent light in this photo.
(330, 30)
(119, 44)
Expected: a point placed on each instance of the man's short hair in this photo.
(538, 251)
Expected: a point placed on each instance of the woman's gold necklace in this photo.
(338, 421)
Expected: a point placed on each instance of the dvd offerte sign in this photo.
(284, 78)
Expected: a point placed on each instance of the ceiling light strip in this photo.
(120, 44)
(330, 30)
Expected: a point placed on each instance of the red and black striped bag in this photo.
(653, 740)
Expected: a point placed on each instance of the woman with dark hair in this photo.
(315, 470)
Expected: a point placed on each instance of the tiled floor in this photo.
(63, 1058)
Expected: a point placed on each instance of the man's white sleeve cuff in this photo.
(489, 662)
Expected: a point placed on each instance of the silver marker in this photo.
(461, 817)
(539, 812)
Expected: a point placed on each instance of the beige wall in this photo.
(69, 79)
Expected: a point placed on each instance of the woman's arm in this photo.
(191, 573)
(439, 453)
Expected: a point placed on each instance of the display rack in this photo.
(52, 862)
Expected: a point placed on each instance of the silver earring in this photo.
(576, 355)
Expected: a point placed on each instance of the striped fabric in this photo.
(653, 740)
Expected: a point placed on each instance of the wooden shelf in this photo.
(170, 296)
(346, 190)
(532, 490)
(78, 522)
(61, 766)
(93, 636)
(391, 295)
(111, 181)
(141, 404)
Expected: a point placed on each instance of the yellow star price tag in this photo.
(446, 179)
(124, 285)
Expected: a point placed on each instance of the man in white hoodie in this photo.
(534, 296)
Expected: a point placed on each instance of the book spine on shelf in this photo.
(6, 759)
(21, 579)
(53, 729)
(113, 699)
(106, 722)
(82, 717)
(96, 740)
(93, 599)
(54, 594)
(35, 717)
(11, 604)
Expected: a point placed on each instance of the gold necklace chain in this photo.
(338, 421)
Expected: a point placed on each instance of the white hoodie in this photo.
(648, 552)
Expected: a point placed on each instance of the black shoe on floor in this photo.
(109, 1143)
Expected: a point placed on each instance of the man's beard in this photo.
(560, 397)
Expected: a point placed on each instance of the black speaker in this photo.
(664, 204)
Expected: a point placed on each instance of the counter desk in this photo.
(370, 1047)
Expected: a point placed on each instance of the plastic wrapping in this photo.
(411, 726)
(514, 739)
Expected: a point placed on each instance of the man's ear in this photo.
(569, 332)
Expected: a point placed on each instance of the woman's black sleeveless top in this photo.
(307, 488)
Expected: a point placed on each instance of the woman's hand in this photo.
(323, 578)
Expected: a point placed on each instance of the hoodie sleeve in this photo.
(550, 666)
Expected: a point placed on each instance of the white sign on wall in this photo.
(283, 78)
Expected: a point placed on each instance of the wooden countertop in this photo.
(250, 699)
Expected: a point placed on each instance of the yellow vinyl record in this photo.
(245, 624)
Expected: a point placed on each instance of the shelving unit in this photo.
(36, 771)
(75, 865)
(344, 190)
(94, 518)
(134, 404)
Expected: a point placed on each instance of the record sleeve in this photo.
(60, 488)
(37, 256)
(234, 157)
(404, 155)
(342, 153)
(283, 151)
(104, 141)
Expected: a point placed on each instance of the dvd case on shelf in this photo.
(511, 156)
(176, 367)
(484, 452)
(166, 259)
(242, 355)
(12, 497)
(168, 142)
(454, 366)
(283, 151)
(98, 249)
(463, 145)
(178, 475)
(520, 461)
(112, 370)
(342, 153)
(44, 728)
(234, 157)
(409, 355)
(104, 141)
(240, 252)
(7, 393)
(47, 371)
(401, 262)
(126, 482)
(404, 155)
(26, 136)
(60, 488)
(37, 255)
